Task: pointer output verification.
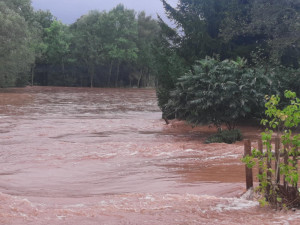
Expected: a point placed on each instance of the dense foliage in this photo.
(16, 53)
(220, 92)
(225, 136)
(221, 89)
(231, 28)
(101, 49)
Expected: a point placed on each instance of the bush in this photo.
(226, 136)
(220, 92)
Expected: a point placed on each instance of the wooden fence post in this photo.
(286, 162)
(295, 159)
(277, 159)
(269, 173)
(288, 152)
(249, 175)
(261, 160)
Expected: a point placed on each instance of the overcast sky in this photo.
(68, 11)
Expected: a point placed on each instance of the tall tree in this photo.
(123, 48)
(272, 25)
(15, 52)
(42, 21)
(87, 42)
(21, 7)
(148, 32)
(197, 27)
(57, 40)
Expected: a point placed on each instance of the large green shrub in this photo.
(220, 92)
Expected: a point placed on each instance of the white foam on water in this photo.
(76, 206)
(96, 155)
(150, 197)
(235, 156)
(235, 204)
(60, 217)
(190, 150)
(295, 215)
(134, 153)
(165, 154)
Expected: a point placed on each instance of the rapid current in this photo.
(79, 156)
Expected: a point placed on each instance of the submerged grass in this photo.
(226, 136)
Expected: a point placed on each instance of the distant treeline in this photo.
(124, 48)
(102, 49)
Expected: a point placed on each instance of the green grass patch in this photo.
(226, 136)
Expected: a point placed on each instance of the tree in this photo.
(15, 53)
(42, 21)
(87, 41)
(21, 7)
(148, 31)
(108, 44)
(266, 33)
(197, 27)
(169, 67)
(123, 48)
(271, 24)
(220, 92)
(195, 36)
(57, 40)
(44, 18)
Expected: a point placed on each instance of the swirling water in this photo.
(105, 156)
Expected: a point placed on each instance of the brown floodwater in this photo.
(104, 156)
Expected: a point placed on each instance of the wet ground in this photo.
(105, 156)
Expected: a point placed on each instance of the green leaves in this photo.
(249, 161)
(271, 25)
(106, 40)
(58, 40)
(197, 28)
(270, 188)
(285, 118)
(16, 54)
(218, 92)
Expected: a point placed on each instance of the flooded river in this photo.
(104, 156)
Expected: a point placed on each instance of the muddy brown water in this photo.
(104, 156)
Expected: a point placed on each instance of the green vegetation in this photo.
(219, 92)
(212, 66)
(16, 53)
(226, 136)
(232, 54)
(283, 119)
(103, 49)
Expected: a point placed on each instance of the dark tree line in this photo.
(103, 49)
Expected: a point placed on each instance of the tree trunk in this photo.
(148, 77)
(63, 70)
(109, 74)
(139, 79)
(32, 74)
(92, 74)
(118, 71)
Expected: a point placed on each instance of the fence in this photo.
(280, 155)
